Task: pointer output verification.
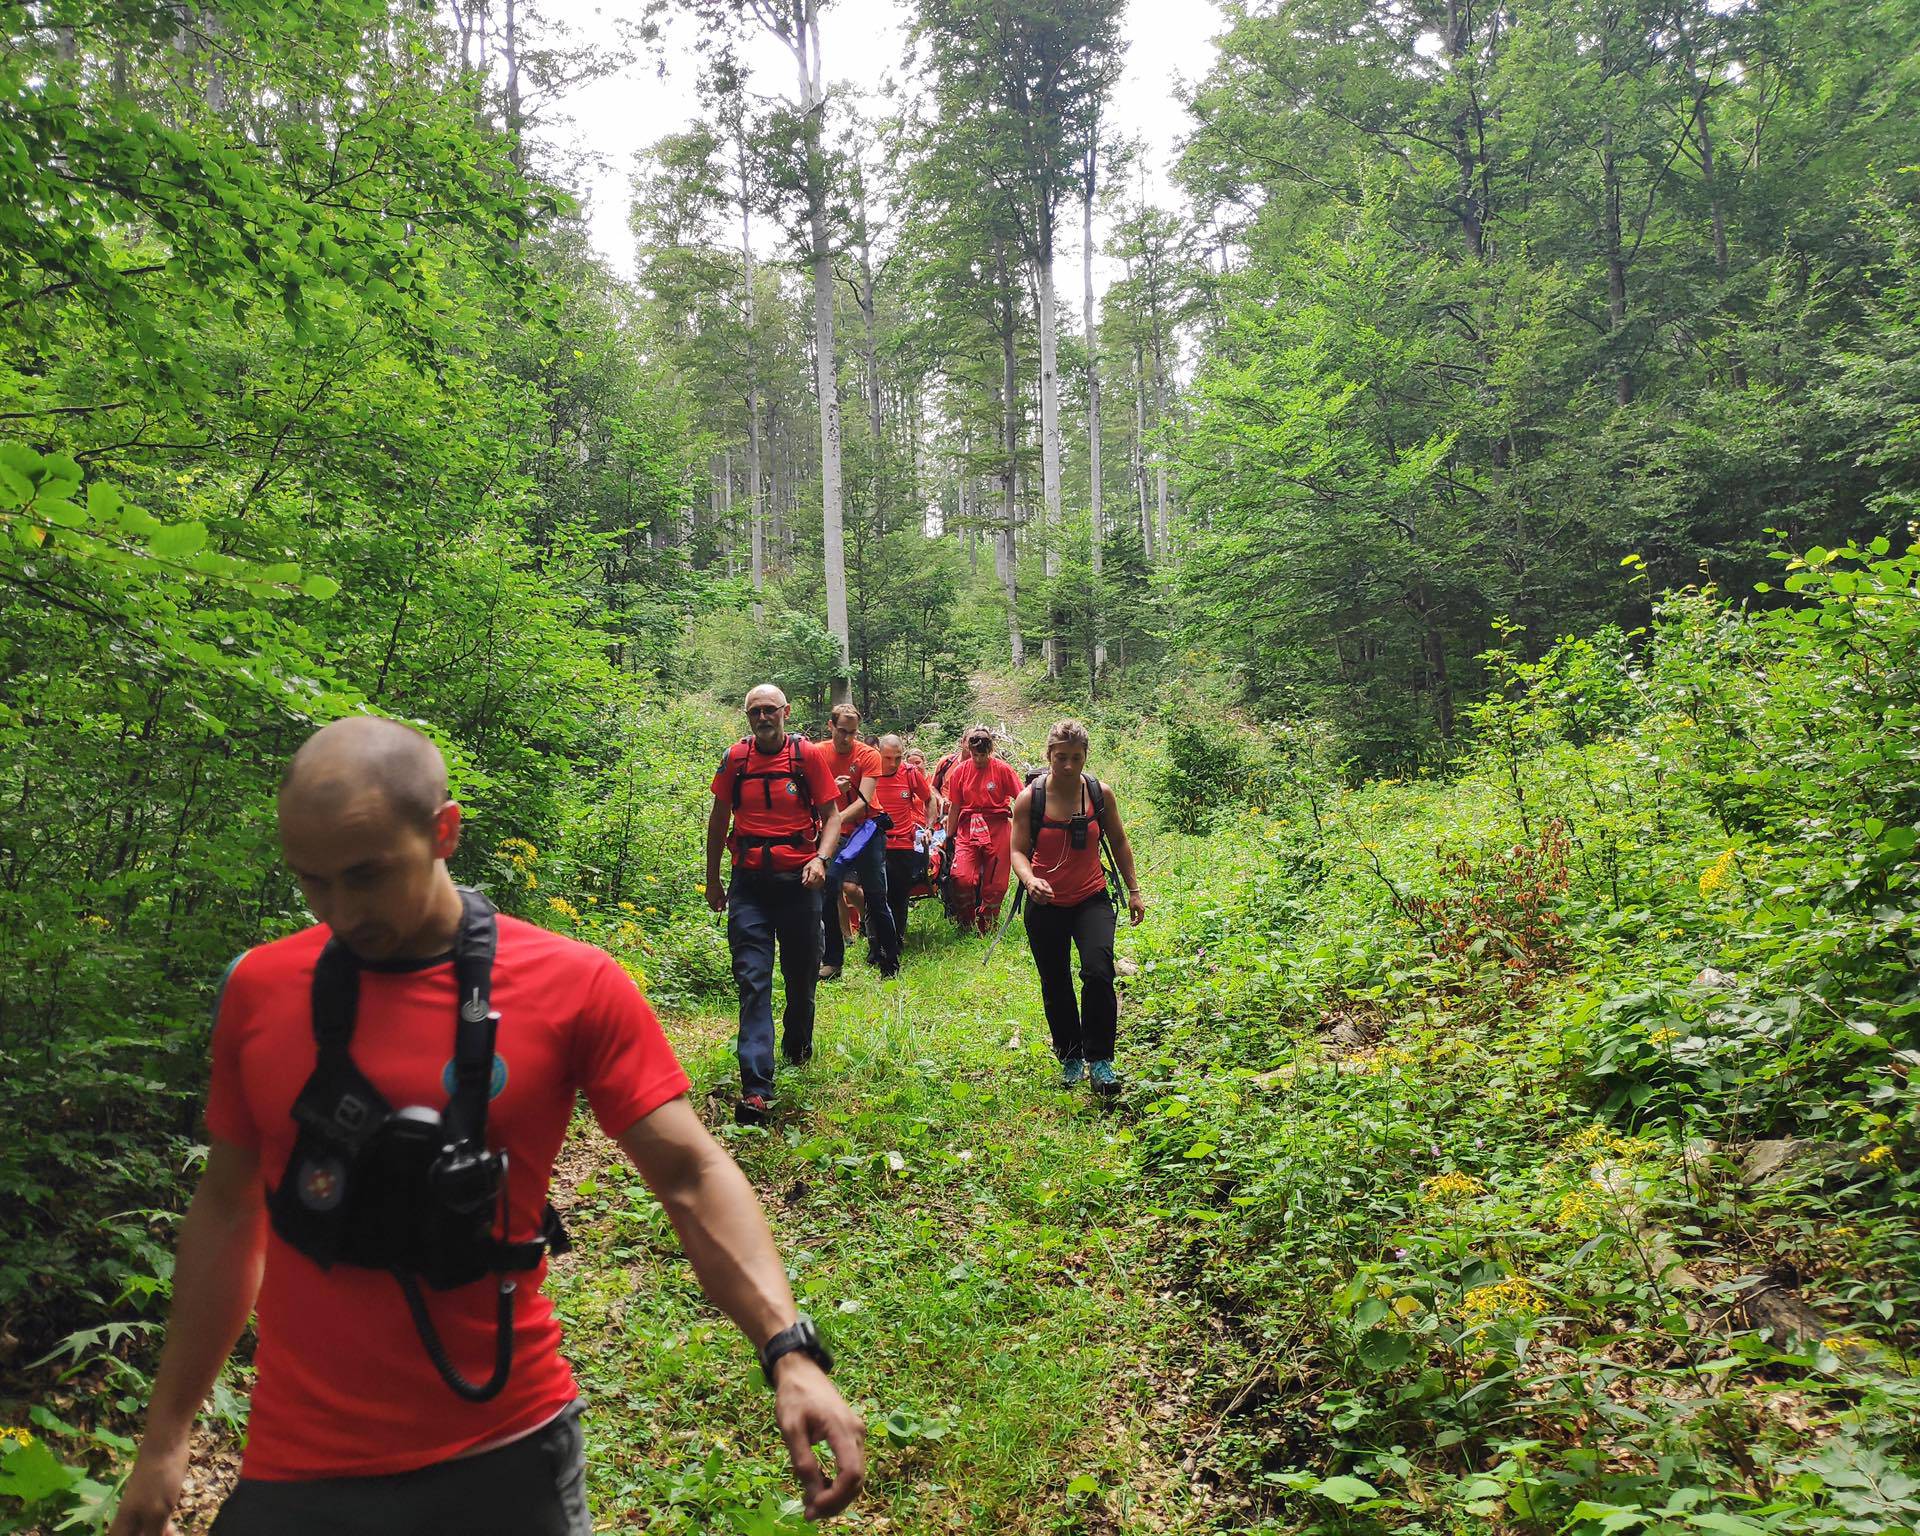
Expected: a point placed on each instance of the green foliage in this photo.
(1455, 1084)
(1519, 293)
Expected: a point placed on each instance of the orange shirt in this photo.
(773, 824)
(861, 763)
(903, 795)
(344, 1386)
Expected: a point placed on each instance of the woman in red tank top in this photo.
(1059, 823)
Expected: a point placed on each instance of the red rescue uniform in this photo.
(777, 797)
(904, 795)
(983, 837)
(344, 1387)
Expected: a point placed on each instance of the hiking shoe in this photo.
(797, 1058)
(1071, 1071)
(753, 1109)
(1103, 1078)
(829, 973)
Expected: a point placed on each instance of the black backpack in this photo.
(1037, 815)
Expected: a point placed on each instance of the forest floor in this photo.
(963, 1229)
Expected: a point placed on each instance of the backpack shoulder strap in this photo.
(478, 1024)
(797, 767)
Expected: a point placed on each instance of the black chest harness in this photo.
(413, 1191)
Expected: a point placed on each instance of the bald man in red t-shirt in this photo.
(355, 1424)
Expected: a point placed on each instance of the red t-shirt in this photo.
(344, 1385)
(859, 764)
(1076, 874)
(773, 806)
(903, 795)
(985, 795)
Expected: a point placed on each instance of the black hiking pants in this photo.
(906, 868)
(533, 1486)
(1085, 1032)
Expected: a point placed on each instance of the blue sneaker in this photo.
(1071, 1071)
(1103, 1078)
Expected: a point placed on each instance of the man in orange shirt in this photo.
(902, 791)
(389, 1260)
(854, 766)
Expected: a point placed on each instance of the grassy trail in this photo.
(966, 1232)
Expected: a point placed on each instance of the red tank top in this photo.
(1076, 874)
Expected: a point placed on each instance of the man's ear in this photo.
(446, 830)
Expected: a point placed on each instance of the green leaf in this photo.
(32, 1473)
(1385, 1349)
(1346, 1491)
(175, 541)
(1726, 1525)
(319, 586)
(1083, 1486)
(103, 501)
(1612, 1517)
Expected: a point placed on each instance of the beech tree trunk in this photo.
(1095, 521)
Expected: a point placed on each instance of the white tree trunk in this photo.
(1049, 441)
(1094, 518)
(813, 100)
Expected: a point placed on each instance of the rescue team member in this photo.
(980, 791)
(853, 764)
(354, 1427)
(1059, 823)
(776, 793)
(903, 793)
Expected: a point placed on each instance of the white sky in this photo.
(1168, 42)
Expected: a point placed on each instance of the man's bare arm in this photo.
(715, 1212)
(216, 1275)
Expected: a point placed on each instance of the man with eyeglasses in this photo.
(980, 791)
(777, 808)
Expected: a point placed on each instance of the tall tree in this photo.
(796, 24)
(1034, 76)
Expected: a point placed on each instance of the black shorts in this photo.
(535, 1486)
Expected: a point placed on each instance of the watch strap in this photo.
(802, 1338)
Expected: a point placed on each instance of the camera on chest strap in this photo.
(414, 1191)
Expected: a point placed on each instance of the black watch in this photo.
(802, 1338)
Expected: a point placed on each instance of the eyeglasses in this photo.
(762, 709)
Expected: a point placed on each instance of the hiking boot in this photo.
(829, 973)
(1105, 1081)
(1071, 1071)
(797, 1058)
(753, 1109)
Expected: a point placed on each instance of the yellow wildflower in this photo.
(1717, 874)
(1844, 1341)
(1515, 1296)
(517, 850)
(1588, 1139)
(20, 1437)
(1880, 1154)
(533, 881)
(1451, 1188)
(1663, 1036)
(1580, 1208)
(627, 906)
(564, 908)
(95, 920)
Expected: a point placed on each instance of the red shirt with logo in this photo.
(904, 795)
(1076, 874)
(858, 765)
(344, 1385)
(771, 805)
(985, 795)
